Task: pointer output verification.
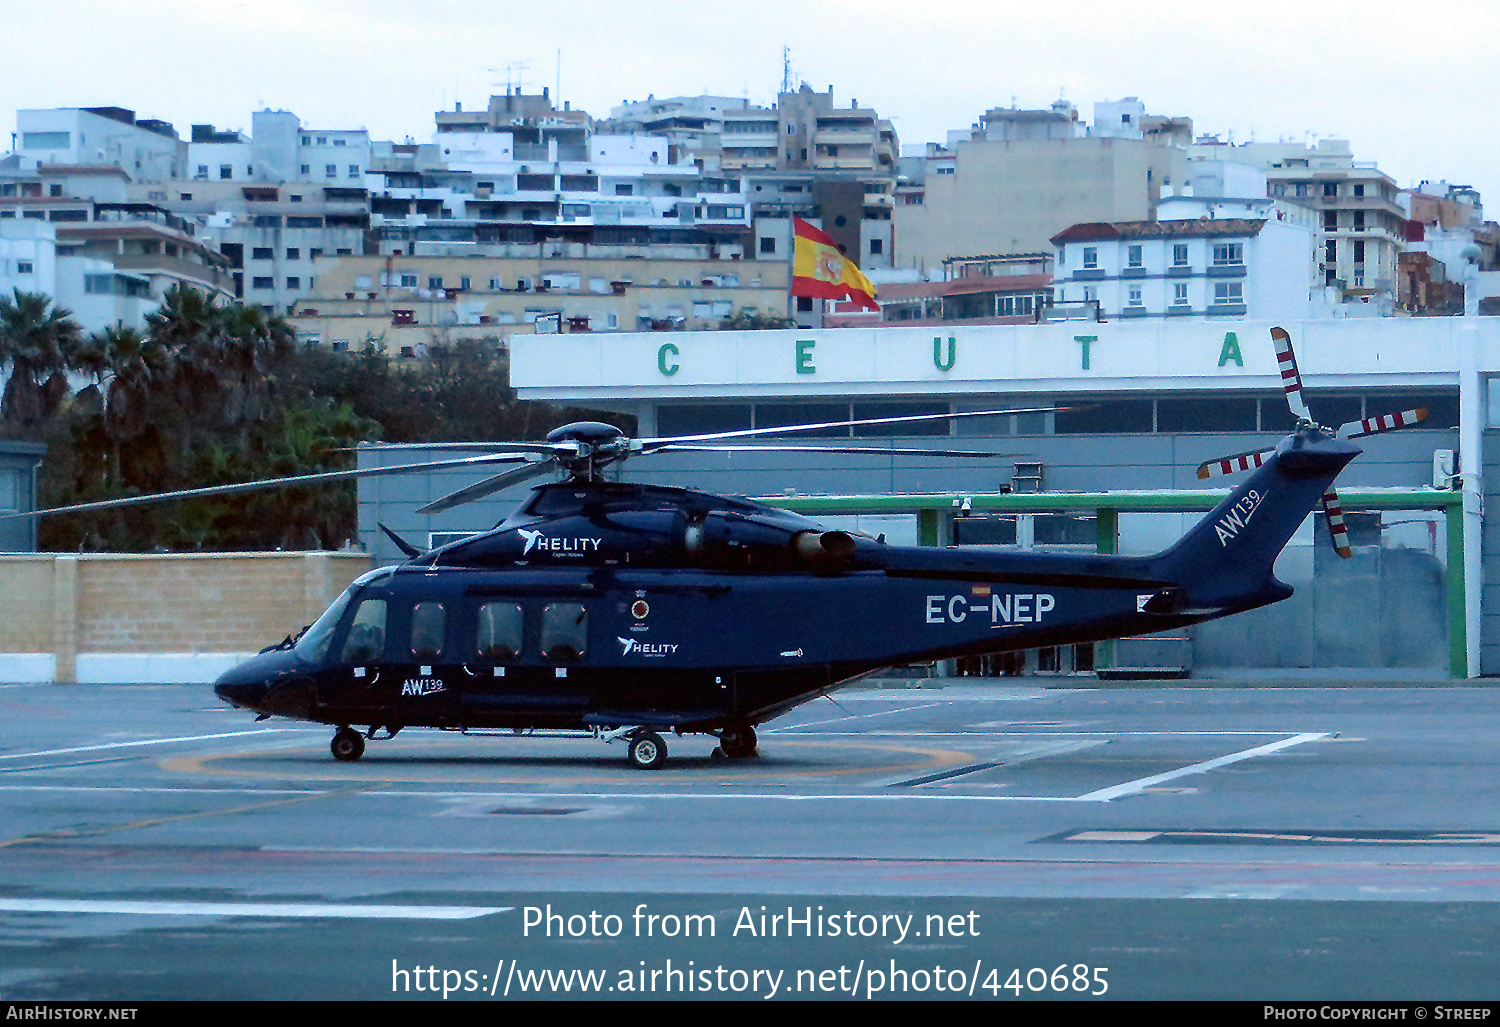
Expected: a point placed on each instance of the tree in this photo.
(127, 368)
(39, 344)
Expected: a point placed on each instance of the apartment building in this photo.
(399, 302)
(108, 259)
(1231, 268)
(1018, 177)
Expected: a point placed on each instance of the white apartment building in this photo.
(1233, 267)
(108, 259)
(148, 149)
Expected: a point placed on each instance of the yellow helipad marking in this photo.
(314, 765)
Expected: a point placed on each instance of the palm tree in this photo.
(39, 344)
(127, 367)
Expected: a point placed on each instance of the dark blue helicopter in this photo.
(627, 611)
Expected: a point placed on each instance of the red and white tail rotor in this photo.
(1291, 384)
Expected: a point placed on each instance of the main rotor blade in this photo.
(866, 450)
(568, 448)
(484, 488)
(270, 483)
(653, 444)
(1384, 422)
(1291, 378)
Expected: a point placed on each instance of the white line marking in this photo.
(1131, 787)
(185, 790)
(149, 741)
(276, 909)
(855, 716)
(1055, 733)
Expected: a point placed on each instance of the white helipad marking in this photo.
(150, 741)
(853, 716)
(275, 909)
(1132, 787)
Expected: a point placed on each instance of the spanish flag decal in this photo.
(819, 269)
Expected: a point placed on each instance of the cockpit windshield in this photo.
(313, 645)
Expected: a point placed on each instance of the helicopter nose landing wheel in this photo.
(347, 746)
(739, 744)
(648, 751)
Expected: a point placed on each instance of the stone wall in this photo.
(118, 617)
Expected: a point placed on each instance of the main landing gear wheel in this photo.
(648, 751)
(347, 746)
(738, 744)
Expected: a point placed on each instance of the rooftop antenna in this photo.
(786, 69)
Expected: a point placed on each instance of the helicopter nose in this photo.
(249, 694)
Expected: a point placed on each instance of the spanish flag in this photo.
(819, 269)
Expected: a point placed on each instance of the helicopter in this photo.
(628, 612)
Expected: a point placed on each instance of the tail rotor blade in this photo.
(1233, 464)
(1334, 511)
(1291, 378)
(1385, 422)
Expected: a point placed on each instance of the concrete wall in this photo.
(117, 617)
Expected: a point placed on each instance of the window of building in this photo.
(1104, 417)
(1331, 251)
(293, 253)
(1301, 188)
(877, 246)
(1359, 221)
(1133, 256)
(1229, 292)
(1359, 188)
(1135, 296)
(259, 282)
(1179, 294)
(307, 169)
(1179, 254)
(624, 189)
(294, 282)
(1330, 220)
(23, 267)
(330, 171)
(434, 281)
(262, 253)
(226, 171)
(407, 279)
(1091, 256)
(1330, 188)
(767, 244)
(202, 171)
(1359, 251)
(354, 171)
(1226, 253)
(804, 304)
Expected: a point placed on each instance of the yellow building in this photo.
(397, 303)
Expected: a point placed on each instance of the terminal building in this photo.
(1119, 416)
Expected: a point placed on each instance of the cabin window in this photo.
(428, 622)
(565, 630)
(366, 641)
(499, 634)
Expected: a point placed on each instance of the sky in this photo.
(1411, 86)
